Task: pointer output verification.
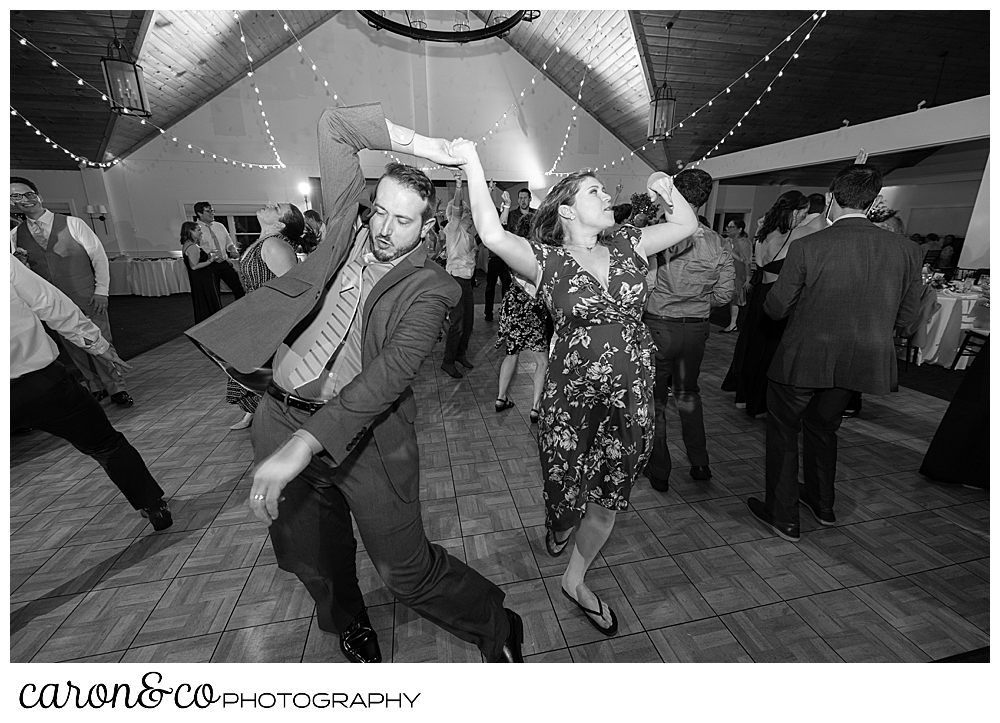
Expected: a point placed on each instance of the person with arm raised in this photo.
(596, 418)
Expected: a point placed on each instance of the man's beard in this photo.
(384, 256)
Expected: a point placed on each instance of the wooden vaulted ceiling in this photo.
(857, 66)
(188, 57)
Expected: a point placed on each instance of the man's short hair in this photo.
(25, 181)
(201, 206)
(817, 203)
(931, 237)
(856, 186)
(695, 185)
(311, 214)
(415, 180)
(524, 190)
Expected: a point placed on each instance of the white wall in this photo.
(440, 90)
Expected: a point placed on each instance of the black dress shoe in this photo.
(122, 399)
(511, 652)
(452, 370)
(464, 361)
(103, 394)
(848, 413)
(158, 515)
(358, 642)
(701, 471)
(785, 530)
(824, 517)
(658, 484)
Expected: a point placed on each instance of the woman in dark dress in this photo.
(204, 293)
(272, 254)
(525, 326)
(595, 430)
(760, 334)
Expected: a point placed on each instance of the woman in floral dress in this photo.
(272, 254)
(596, 426)
(525, 326)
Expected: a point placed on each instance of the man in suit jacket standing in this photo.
(843, 289)
(333, 437)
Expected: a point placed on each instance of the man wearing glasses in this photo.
(218, 244)
(66, 253)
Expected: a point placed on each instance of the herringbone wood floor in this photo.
(904, 576)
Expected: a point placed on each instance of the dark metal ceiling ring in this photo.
(380, 22)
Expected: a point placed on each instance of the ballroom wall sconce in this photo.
(304, 189)
(98, 212)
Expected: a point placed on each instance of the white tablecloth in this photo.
(151, 277)
(158, 277)
(119, 278)
(946, 329)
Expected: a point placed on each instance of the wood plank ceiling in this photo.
(187, 57)
(857, 65)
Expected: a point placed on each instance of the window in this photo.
(240, 220)
(247, 230)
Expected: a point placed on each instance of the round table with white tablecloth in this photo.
(158, 277)
(947, 327)
(150, 277)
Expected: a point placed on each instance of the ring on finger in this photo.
(258, 497)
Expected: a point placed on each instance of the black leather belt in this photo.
(679, 319)
(290, 400)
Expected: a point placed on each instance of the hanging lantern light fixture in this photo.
(661, 108)
(123, 78)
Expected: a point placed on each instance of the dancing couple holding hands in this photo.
(596, 413)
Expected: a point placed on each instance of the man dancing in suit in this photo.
(333, 437)
(843, 290)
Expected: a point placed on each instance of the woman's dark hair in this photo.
(523, 227)
(546, 225)
(294, 223)
(738, 223)
(779, 216)
(187, 232)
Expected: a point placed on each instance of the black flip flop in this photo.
(502, 404)
(594, 615)
(553, 546)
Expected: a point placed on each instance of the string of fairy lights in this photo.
(253, 84)
(816, 18)
(519, 100)
(744, 76)
(22, 40)
(303, 51)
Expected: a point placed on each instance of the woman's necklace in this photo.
(581, 247)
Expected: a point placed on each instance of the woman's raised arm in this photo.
(681, 220)
(514, 250)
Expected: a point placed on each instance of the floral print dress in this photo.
(596, 428)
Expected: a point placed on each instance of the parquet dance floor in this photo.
(904, 576)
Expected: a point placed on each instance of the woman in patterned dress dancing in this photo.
(272, 254)
(596, 425)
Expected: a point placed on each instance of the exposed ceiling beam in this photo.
(134, 50)
(643, 47)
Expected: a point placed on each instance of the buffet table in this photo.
(151, 277)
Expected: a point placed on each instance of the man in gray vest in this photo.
(66, 253)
